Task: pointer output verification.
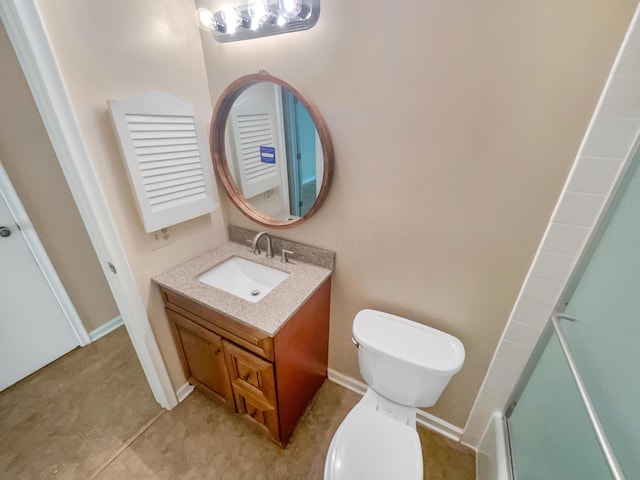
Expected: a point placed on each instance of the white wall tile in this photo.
(611, 137)
(476, 426)
(554, 266)
(542, 290)
(567, 239)
(580, 209)
(510, 370)
(523, 334)
(630, 59)
(532, 313)
(498, 384)
(491, 401)
(513, 352)
(595, 174)
(623, 99)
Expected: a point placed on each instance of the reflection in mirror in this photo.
(273, 151)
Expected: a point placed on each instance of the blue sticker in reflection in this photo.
(267, 154)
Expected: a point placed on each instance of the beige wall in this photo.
(454, 126)
(27, 155)
(115, 50)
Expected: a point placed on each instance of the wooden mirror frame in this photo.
(219, 157)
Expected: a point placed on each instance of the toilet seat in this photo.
(370, 445)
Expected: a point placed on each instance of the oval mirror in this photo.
(271, 151)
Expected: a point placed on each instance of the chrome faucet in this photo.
(256, 247)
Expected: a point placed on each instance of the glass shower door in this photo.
(551, 434)
(549, 429)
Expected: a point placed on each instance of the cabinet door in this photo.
(202, 357)
(254, 388)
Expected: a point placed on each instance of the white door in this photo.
(34, 331)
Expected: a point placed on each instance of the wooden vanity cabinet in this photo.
(269, 380)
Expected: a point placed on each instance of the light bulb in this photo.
(232, 18)
(290, 8)
(206, 20)
(259, 10)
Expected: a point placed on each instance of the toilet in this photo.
(406, 365)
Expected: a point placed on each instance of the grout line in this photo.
(126, 444)
(506, 339)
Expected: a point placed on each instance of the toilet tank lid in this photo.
(409, 341)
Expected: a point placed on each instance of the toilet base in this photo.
(400, 413)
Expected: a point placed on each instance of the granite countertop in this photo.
(267, 315)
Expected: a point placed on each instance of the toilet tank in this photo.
(405, 361)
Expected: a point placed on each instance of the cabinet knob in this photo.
(218, 350)
(245, 377)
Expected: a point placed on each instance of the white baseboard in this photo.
(438, 425)
(349, 383)
(103, 330)
(423, 418)
(184, 391)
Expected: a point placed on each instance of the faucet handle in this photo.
(254, 248)
(284, 258)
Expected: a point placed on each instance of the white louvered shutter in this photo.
(163, 153)
(254, 116)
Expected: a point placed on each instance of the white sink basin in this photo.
(243, 278)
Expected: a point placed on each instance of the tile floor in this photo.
(69, 420)
(65, 420)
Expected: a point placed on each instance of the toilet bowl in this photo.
(406, 365)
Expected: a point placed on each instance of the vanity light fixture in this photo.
(258, 18)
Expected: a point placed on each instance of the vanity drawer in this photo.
(254, 387)
(250, 338)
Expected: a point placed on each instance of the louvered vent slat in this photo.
(169, 148)
(159, 140)
(152, 180)
(255, 142)
(163, 192)
(133, 118)
(152, 157)
(183, 162)
(157, 187)
(174, 198)
(167, 135)
(255, 130)
(162, 174)
(160, 127)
